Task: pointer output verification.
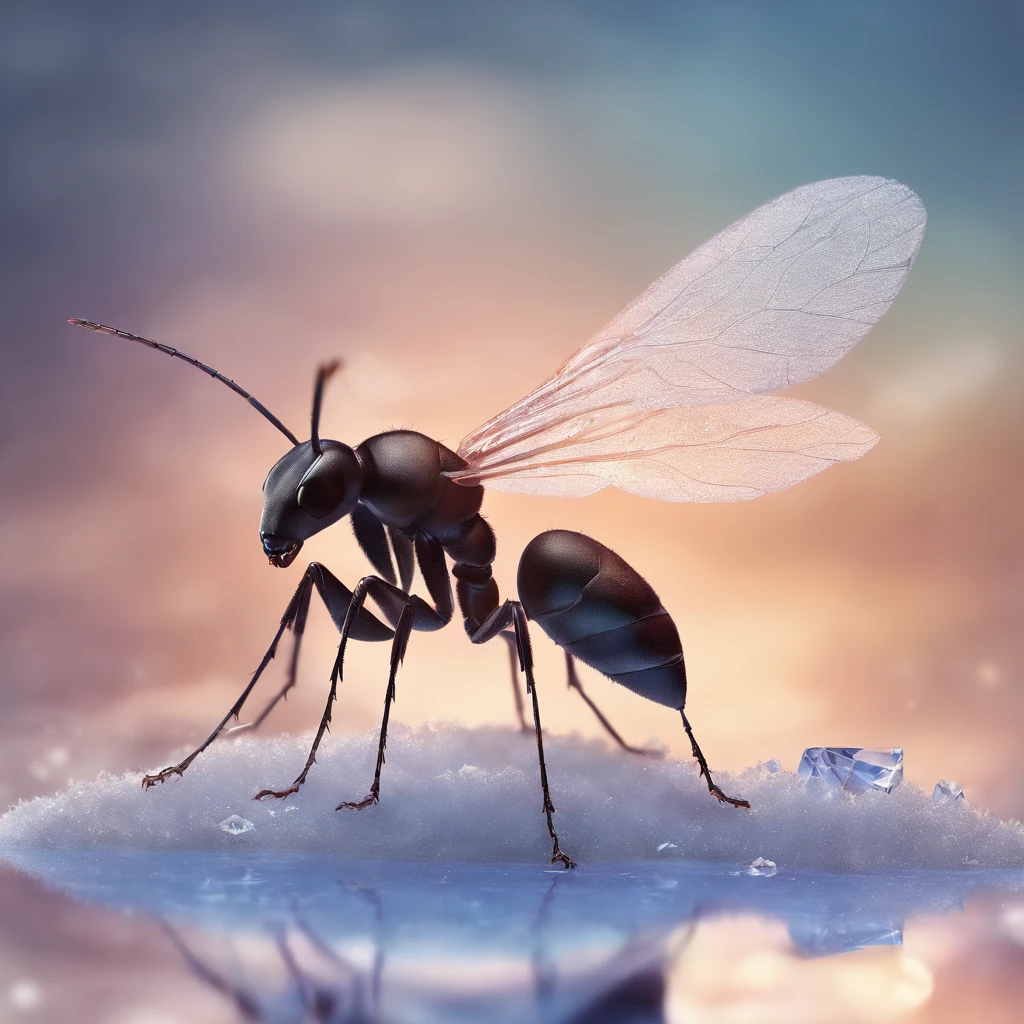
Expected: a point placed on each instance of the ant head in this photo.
(314, 485)
(304, 493)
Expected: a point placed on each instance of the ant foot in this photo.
(276, 794)
(148, 781)
(723, 799)
(368, 801)
(560, 858)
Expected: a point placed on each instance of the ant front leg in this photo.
(511, 614)
(294, 613)
(337, 597)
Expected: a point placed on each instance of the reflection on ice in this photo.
(396, 941)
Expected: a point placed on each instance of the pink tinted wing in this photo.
(774, 300)
(728, 452)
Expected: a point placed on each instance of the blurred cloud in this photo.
(404, 149)
(937, 380)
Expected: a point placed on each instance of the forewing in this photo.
(772, 301)
(729, 452)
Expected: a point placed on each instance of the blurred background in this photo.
(452, 197)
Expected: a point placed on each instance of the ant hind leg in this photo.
(573, 680)
(706, 772)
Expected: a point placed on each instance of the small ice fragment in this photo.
(25, 995)
(947, 792)
(469, 769)
(772, 765)
(236, 825)
(666, 846)
(762, 867)
(855, 769)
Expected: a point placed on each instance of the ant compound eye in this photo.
(320, 491)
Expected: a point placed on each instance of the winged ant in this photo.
(667, 401)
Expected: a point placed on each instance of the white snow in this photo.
(453, 794)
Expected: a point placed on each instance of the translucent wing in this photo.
(728, 452)
(774, 300)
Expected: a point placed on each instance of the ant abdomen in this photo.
(597, 607)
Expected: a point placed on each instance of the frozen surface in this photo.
(456, 795)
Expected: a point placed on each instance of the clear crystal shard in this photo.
(236, 825)
(855, 769)
(947, 792)
(762, 866)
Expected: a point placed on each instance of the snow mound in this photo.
(452, 794)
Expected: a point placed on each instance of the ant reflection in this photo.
(628, 987)
(321, 986)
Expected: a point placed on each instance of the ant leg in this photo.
(325, 723)
(573, 680)
(297, 608)
(405, 556)
(513, 664)
(402, 633)
(526, 660)
(706, 772)
(298, 628)
(392, 603)
(336, 597)
(511, 614)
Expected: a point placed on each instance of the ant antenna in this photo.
(323, 374)
(257, 405)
